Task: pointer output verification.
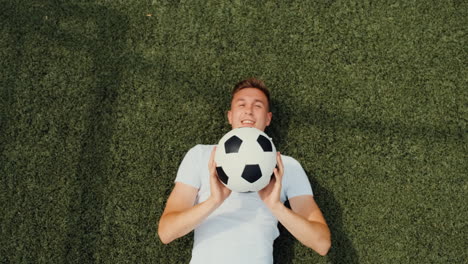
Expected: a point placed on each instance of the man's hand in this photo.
(272, 192)
(305, 221)
(219, 192)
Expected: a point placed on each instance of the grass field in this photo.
(100, 100)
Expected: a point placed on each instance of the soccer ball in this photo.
(245, 159)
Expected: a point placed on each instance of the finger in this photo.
(278, 175)
(278, 180)
(275, 171)
(211, 162)
(279, 162)
(213, 154)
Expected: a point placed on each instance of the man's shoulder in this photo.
(201, 149)
(290, 161)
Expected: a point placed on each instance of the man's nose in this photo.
(248, 110)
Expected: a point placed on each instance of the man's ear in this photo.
(229, 116)
(269, 116)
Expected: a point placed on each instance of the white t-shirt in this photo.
(242, 229)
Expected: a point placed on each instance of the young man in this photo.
(235, 227)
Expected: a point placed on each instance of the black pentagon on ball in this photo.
(222, 175)
(265, 143)
(252, 173)
(232, 145)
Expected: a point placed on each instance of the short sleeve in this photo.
(189, 169)
(295, 180)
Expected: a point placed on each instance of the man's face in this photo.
(249, 108)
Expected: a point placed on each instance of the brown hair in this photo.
(252, 83)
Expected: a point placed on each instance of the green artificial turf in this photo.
(100, 100)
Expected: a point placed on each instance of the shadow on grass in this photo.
(94, 166)
(107, 50)
(279, 124)
(342, 250)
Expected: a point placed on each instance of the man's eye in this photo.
(258, 106)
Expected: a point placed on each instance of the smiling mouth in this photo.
(247, 122)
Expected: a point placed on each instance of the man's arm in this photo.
(180, 216)
(305, 221)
